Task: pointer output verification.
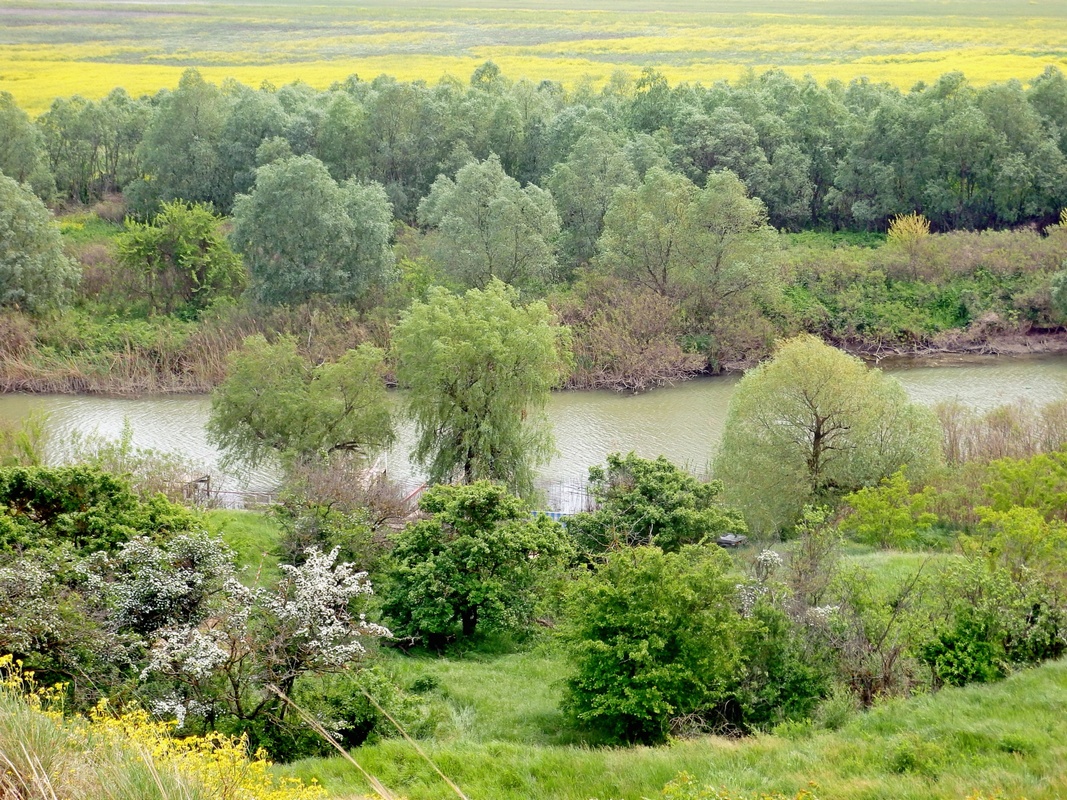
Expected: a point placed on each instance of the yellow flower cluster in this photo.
(218, 766)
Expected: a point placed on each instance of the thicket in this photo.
(642, 211)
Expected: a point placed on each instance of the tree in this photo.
(654, 636)
(303, 234)
(180, 150)
(34, 272)
(813, 423)
(274, 404)
(472, 566)
(490, 227)
(667, 235)
(479, 368)
(181, 257)
(651, 502)
(21, 156)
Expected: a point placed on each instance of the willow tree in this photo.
(479, 368)
(813, 423)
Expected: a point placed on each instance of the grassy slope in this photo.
(1008, 738)
(254, 538)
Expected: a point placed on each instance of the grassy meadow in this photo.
(49, 50)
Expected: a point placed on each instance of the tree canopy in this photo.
(34, 271)
(812, 423)
(478, 368)
(274, 404)
(490, 227)
(303, 234)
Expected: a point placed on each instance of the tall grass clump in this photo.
(121, 754)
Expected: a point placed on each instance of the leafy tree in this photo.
(471, 566)
(21, 155)
(490, 227)
(651, 502)
(668, 235)
(890, 514)
(302, 234)
(34, 272)
(274, 404)
(654, 637)
(181, 257)
(583, 187)
(479, 368)
(180, 150)
(813, 423)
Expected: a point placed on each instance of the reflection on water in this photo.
(683, 422)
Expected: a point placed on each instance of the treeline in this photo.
(835, 155)
(652, 219)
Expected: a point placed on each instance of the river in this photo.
(683, 422)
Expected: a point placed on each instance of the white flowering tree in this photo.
(259, 637)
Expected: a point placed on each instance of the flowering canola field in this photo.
(48, 50)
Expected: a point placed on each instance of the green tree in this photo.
(470, 567)
(34, 272)
(479, 368)
(302, 234)
(653, 636)
(21, 155)
(180, 150)
(651, 502)
(667, 235)
(181, 257)
(813, 423)
(274, 404)
(490, 227)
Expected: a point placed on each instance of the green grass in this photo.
(254, 538)
(1008, 738)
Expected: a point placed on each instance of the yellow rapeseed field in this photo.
(48, 51)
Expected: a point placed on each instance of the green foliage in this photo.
(303, 234)
(274, 404)
(479, 368)
(181, 257)
(21, 155)
(492, 228)
(22, 442)
(654, 638)
(667, 234)
(90, 509)
(889, 515)
(814, 423)
(34, 272)
(471, 566)
(651, 502)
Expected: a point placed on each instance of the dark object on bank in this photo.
(731, 540)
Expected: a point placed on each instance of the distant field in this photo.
(59, 49)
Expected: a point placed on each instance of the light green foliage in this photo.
(479, 368)
(34, 272)
(1023, 541)
(180, 150)
(22, 442)
(654, 636)
(274, 404)
(890, 514)
(21, 156)
(1039, 483)
(491, 227)
(669, 235)
(583, 187)
(181, 257)
(813, 423)
(472, 566)
(651, 502)
(303, 234)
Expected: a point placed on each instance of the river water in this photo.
(683, 422)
